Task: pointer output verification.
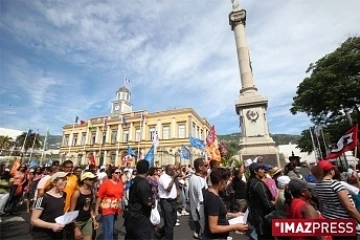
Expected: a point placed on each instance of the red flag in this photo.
(223, 150)
(82, 122)
(346, 143)
(92, 161)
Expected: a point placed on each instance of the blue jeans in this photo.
(183, 198)
(108, 226)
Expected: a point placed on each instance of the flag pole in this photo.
(319, 146)
(313, 143)
(138, 148)
(33, 144)
(72, 132)
(43, 151)
(324, 141)
(23, 146)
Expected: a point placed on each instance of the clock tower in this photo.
(122, 102)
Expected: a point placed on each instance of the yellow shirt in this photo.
(71, 186)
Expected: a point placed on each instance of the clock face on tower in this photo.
(117, 107)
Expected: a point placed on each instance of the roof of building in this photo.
(10, 132)
(124, 89)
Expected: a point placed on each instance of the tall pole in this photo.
(33, 145)
(318, 143)
(313, 143)
(324, 141)
(71, 134)
(45, 141)
(138, 149)
(23, 146)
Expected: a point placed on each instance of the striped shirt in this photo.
(326, 191)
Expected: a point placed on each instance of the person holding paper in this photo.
(81, 201)
(49, 206)
(216, 223)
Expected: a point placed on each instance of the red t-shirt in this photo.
(111, 194)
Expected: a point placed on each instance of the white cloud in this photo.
(181, 52)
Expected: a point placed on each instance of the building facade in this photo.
(108, 137)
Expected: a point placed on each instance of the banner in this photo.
(212, 146)
(346, 143)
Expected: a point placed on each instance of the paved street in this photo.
(17, 227)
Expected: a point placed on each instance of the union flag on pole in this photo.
(346, 143)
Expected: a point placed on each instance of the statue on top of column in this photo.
(235, 5)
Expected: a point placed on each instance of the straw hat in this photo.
(275, 171)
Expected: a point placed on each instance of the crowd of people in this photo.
(210, 193)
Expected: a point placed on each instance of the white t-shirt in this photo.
(164, 182)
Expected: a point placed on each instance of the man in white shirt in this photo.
(197, 185)
(168, 204)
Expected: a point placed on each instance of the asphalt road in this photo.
(17, 228)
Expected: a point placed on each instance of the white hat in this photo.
(58, 175)
(102, 167)
(282, 181)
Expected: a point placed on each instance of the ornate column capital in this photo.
(237, 17)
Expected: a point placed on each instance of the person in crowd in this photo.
(212, 165)
(81, 201)
(168, 204)
(239, 187)
(102, 176)
(153, 181)
(49, 206)
(335, 200)
(44, 180)
(181, 200)
(298, 196)
(16, 189)
(77, 172)
(216, 223)
(27, 199)
(141, 200)
(290, 170)
(280, 205)
(197, 185)
(109, 200)
(260, 201)
(5, 186)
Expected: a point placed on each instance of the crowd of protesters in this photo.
(210, 194)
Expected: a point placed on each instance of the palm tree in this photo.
(6, 142)
(29, 141)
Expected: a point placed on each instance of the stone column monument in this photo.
(251, 106)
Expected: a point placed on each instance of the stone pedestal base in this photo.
(272, 158)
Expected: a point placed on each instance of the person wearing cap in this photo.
(49, 206)
(260, 200)
(335, 201)
(280, 205)
(81, 201)
(297, 196)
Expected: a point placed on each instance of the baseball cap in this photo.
(58, 175)
(295, 186)
(7, 170)
(268, 167)
(255, 166)
(326, 165)
(87, 175)
(282, 181)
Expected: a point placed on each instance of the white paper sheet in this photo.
(248, 162)
(67, 217)
(240, 219)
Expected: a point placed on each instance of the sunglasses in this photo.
(117, 172)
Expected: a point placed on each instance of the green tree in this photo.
(226, 160)
(333, 85)
(29, 141)
(6, 142)
(331, 91)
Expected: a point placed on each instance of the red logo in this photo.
(313, 227)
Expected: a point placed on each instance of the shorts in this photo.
(85, 227)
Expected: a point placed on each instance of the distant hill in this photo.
(280, 139)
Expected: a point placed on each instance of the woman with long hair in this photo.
(16, 189)
(109, 201)
(334, 200)
(260, 201)
(297, 197)
(216, 222)
(49, 206)
(81, 201)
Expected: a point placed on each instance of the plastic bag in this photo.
(155, 215)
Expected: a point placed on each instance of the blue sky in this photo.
(65, 58)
